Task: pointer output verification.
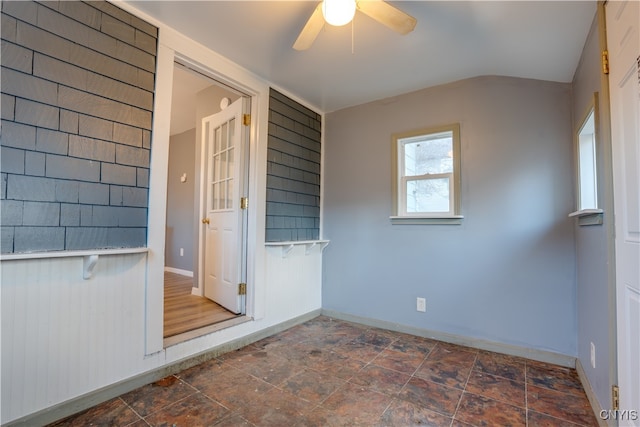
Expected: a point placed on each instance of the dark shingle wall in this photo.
(77, 99)
(293, 171)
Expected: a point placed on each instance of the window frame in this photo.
(588, 215)
(399, 180)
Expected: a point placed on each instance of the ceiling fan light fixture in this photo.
(338, 12)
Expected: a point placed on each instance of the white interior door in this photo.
(623, 41)
(224, 139)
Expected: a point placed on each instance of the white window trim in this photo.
(399, 214)
(594, 215)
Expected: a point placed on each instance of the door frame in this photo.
(615, 236)
(175, 47)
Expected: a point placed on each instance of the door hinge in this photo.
(242, 288)
(246, 119)
(615, 397)
(605, 61)
(244, 202)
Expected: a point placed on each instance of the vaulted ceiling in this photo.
(366, 61)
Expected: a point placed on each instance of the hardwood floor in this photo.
(184, 312)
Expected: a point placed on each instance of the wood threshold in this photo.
(184, 312)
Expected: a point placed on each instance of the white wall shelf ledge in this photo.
(90, 257)
(434, 220)
(588, 216)
(288, 246)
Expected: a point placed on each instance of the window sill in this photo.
(588, 216)
(429, 220)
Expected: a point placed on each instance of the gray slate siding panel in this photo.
(3, 186)
(54, 70)
(34, 163)
(69, 215)
(93, 149)
(16, 57)
(51, 141)
(93, 194)
(41, 214)
(11, 212)
(12, 160)
(293, 171)
(8, 107)
(72, 168)
(79, 238)
(37, 114)
(118, 174)
(6, 244)
(81, 12)
(25, 11)
(38, 239)
(77, 99)
(17, 135)
(21, 187)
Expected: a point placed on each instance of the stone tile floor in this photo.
(328, 372)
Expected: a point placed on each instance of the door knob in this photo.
(205, 221)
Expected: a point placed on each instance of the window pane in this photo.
(215, 196)
(428, 195)
(429, 156)
(225, 136)
(230, 194)
(587, 165)
(216, 138)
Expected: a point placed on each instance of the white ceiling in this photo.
(453, 40)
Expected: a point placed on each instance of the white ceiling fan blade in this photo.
(311, 30)
(387, 15)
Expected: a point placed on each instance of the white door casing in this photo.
(623, 42)
(224, 144)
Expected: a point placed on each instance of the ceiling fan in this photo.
(341, 12)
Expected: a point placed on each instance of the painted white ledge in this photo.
(90, 257)
(585, 212)
(435, 220)
(588, 216)
(288, 246)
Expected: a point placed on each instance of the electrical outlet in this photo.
(593, 355)
(421, 304)
(181, 251)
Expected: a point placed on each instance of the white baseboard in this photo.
(512, 350)
(179, 271)
(593, 400)
(93, 398)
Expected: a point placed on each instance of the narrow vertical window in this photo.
(586, 157)
(587, 179)
(426, 174)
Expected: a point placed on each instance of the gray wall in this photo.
(592, 249)
(180, 201)
(507, 273)
(293, 171)
(77, 97)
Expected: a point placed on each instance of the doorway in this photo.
(186, 309)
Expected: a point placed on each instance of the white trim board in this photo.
(593, 400)
(512, 350)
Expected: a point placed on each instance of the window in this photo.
(588, 212)
(426, 173)
(587, 183)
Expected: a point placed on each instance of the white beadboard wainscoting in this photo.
(62, 335)
(66, 339)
